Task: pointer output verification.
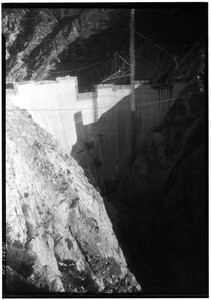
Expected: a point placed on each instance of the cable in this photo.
(165, 125)
(115, 78)
(117, 45)
(109, 107)
(81, 68)
(98, 73)
(170, 99)
(160, 101)
(119, 71)
(158, 47)
(124, 60)
(86, 67)
(154, 43)
(110, 77)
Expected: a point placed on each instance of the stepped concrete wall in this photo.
(53, 104)
(112, 134)
(59, 108)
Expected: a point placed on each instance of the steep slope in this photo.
(59, 237)
(161, 198)
(164, 202)
(86, 42)
(35, 38)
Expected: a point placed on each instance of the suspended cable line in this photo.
(98, 72)
(119, 108)
(78, 69)
(168, 124)
(111, 77)
(120, 70)
(158, 46)
(92, 65)
(124, 60)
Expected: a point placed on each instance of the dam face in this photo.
(95, 127)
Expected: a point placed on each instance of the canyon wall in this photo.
(59, 237)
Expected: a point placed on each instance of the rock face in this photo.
(59, 237)
(44, 43)
(165, 201)
(35, 38)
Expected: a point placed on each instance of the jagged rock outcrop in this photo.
(44, 43)
(35, 38)
(59, 237)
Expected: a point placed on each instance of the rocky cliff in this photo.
(59, 237)
(35, 38)
(164, 201)
(47, 42)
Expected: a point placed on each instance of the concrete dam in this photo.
(95, 127)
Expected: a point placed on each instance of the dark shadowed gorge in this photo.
(95, 220)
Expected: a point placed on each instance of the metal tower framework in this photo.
(132, 81)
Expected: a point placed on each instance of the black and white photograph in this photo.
(105, 150)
